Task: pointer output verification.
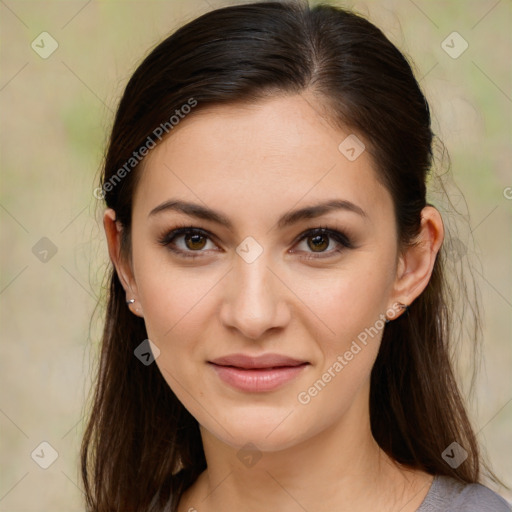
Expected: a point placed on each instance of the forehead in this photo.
(260, 159)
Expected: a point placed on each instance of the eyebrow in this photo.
(288, 219)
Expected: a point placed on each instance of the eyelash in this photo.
(167, 239)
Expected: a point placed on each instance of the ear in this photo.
(113, 232)
(417, 262)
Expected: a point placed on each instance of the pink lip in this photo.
(257, 374)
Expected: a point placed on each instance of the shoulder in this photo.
(449, 495)
(477, 497)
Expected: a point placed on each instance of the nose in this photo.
(254, 299)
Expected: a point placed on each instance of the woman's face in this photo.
(256, 283)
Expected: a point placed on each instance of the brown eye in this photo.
(318, 242)
(187, 242)
(191, 242)
(194, 241)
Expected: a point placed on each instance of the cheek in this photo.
(352, 308)
(347, 303)
(172, 296)
(175, 313)
(174, 305)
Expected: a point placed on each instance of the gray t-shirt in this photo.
(447, 494)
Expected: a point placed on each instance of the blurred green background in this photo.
(56, 112)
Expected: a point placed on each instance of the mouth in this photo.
(257, 374)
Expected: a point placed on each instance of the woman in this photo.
(278, 323)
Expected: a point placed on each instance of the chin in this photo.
(267, 432)
(259, 440)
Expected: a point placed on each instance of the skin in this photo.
(254, 163)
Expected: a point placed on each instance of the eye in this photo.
(318, 240)
(193, 240)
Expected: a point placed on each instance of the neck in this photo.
(340, 469)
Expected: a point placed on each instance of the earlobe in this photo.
(417, 263)
(134, 308)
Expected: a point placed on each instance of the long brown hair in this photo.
(142, 448)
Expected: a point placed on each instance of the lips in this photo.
(257, 374)
(259, 362)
